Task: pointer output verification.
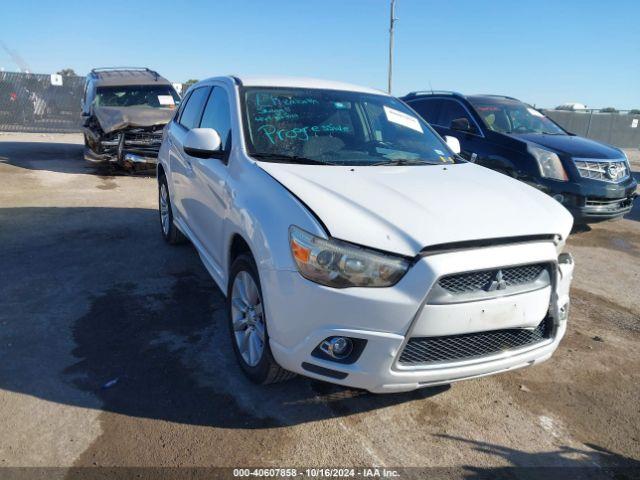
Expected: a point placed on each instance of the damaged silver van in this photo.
(123, 113)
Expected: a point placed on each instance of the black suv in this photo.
(592, 180)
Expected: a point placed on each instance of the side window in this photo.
(428, 108)
(450, 111)
(190, 117)
(217, 115)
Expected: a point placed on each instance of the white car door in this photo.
(181, 164)
(210, 196)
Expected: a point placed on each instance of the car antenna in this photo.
(431, 87)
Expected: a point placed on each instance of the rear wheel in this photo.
(170, 232)
(248, 326)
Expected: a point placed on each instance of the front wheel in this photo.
(248, 326)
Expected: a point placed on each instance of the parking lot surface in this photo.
(114, 351)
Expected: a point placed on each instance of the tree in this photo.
(608, 110)
(188, 83)
(634, 111)
(67, 72)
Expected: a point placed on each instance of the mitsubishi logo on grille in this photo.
(497, 282)
(615, 171)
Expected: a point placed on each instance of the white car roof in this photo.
(301, 82)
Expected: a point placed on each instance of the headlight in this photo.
(340, 264)
(549, 163)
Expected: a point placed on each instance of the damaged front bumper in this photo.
(129, 159)
(444, 342)
(128, 148)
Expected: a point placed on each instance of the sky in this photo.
(545, 52)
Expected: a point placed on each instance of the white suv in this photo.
(353, 244)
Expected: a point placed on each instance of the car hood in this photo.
(117, 118)
(403, 209)
(573, 146)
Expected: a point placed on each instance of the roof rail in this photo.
(96, 71)
(495, 96)
(433, 92)
(108, 69)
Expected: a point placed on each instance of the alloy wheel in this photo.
(164, 209)
(247, 318)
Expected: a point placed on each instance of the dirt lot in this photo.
(107, 352)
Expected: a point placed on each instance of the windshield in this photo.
(514, 117)
(337, 128)
(153, 96)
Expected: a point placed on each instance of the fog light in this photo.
(559, 197)
(345, 350)
(337, 347)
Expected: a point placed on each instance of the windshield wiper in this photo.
(276, 157)
(402, 161)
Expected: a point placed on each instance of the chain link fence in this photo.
(40, 103)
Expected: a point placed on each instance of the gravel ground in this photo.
(107, 358)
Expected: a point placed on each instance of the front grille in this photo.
(603, 170)
(466, 282)
(452, 348)
(521, 275)
(471, 282)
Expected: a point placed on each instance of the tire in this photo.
(169, 231)
(257, 363)
(87, 146)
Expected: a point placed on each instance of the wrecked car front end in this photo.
(126, 136)
(127, 147)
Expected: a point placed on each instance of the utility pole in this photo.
(392, 21)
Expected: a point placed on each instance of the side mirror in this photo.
(453, 143)
(202, 143)
(461, 124)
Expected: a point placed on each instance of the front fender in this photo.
(262, 215)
